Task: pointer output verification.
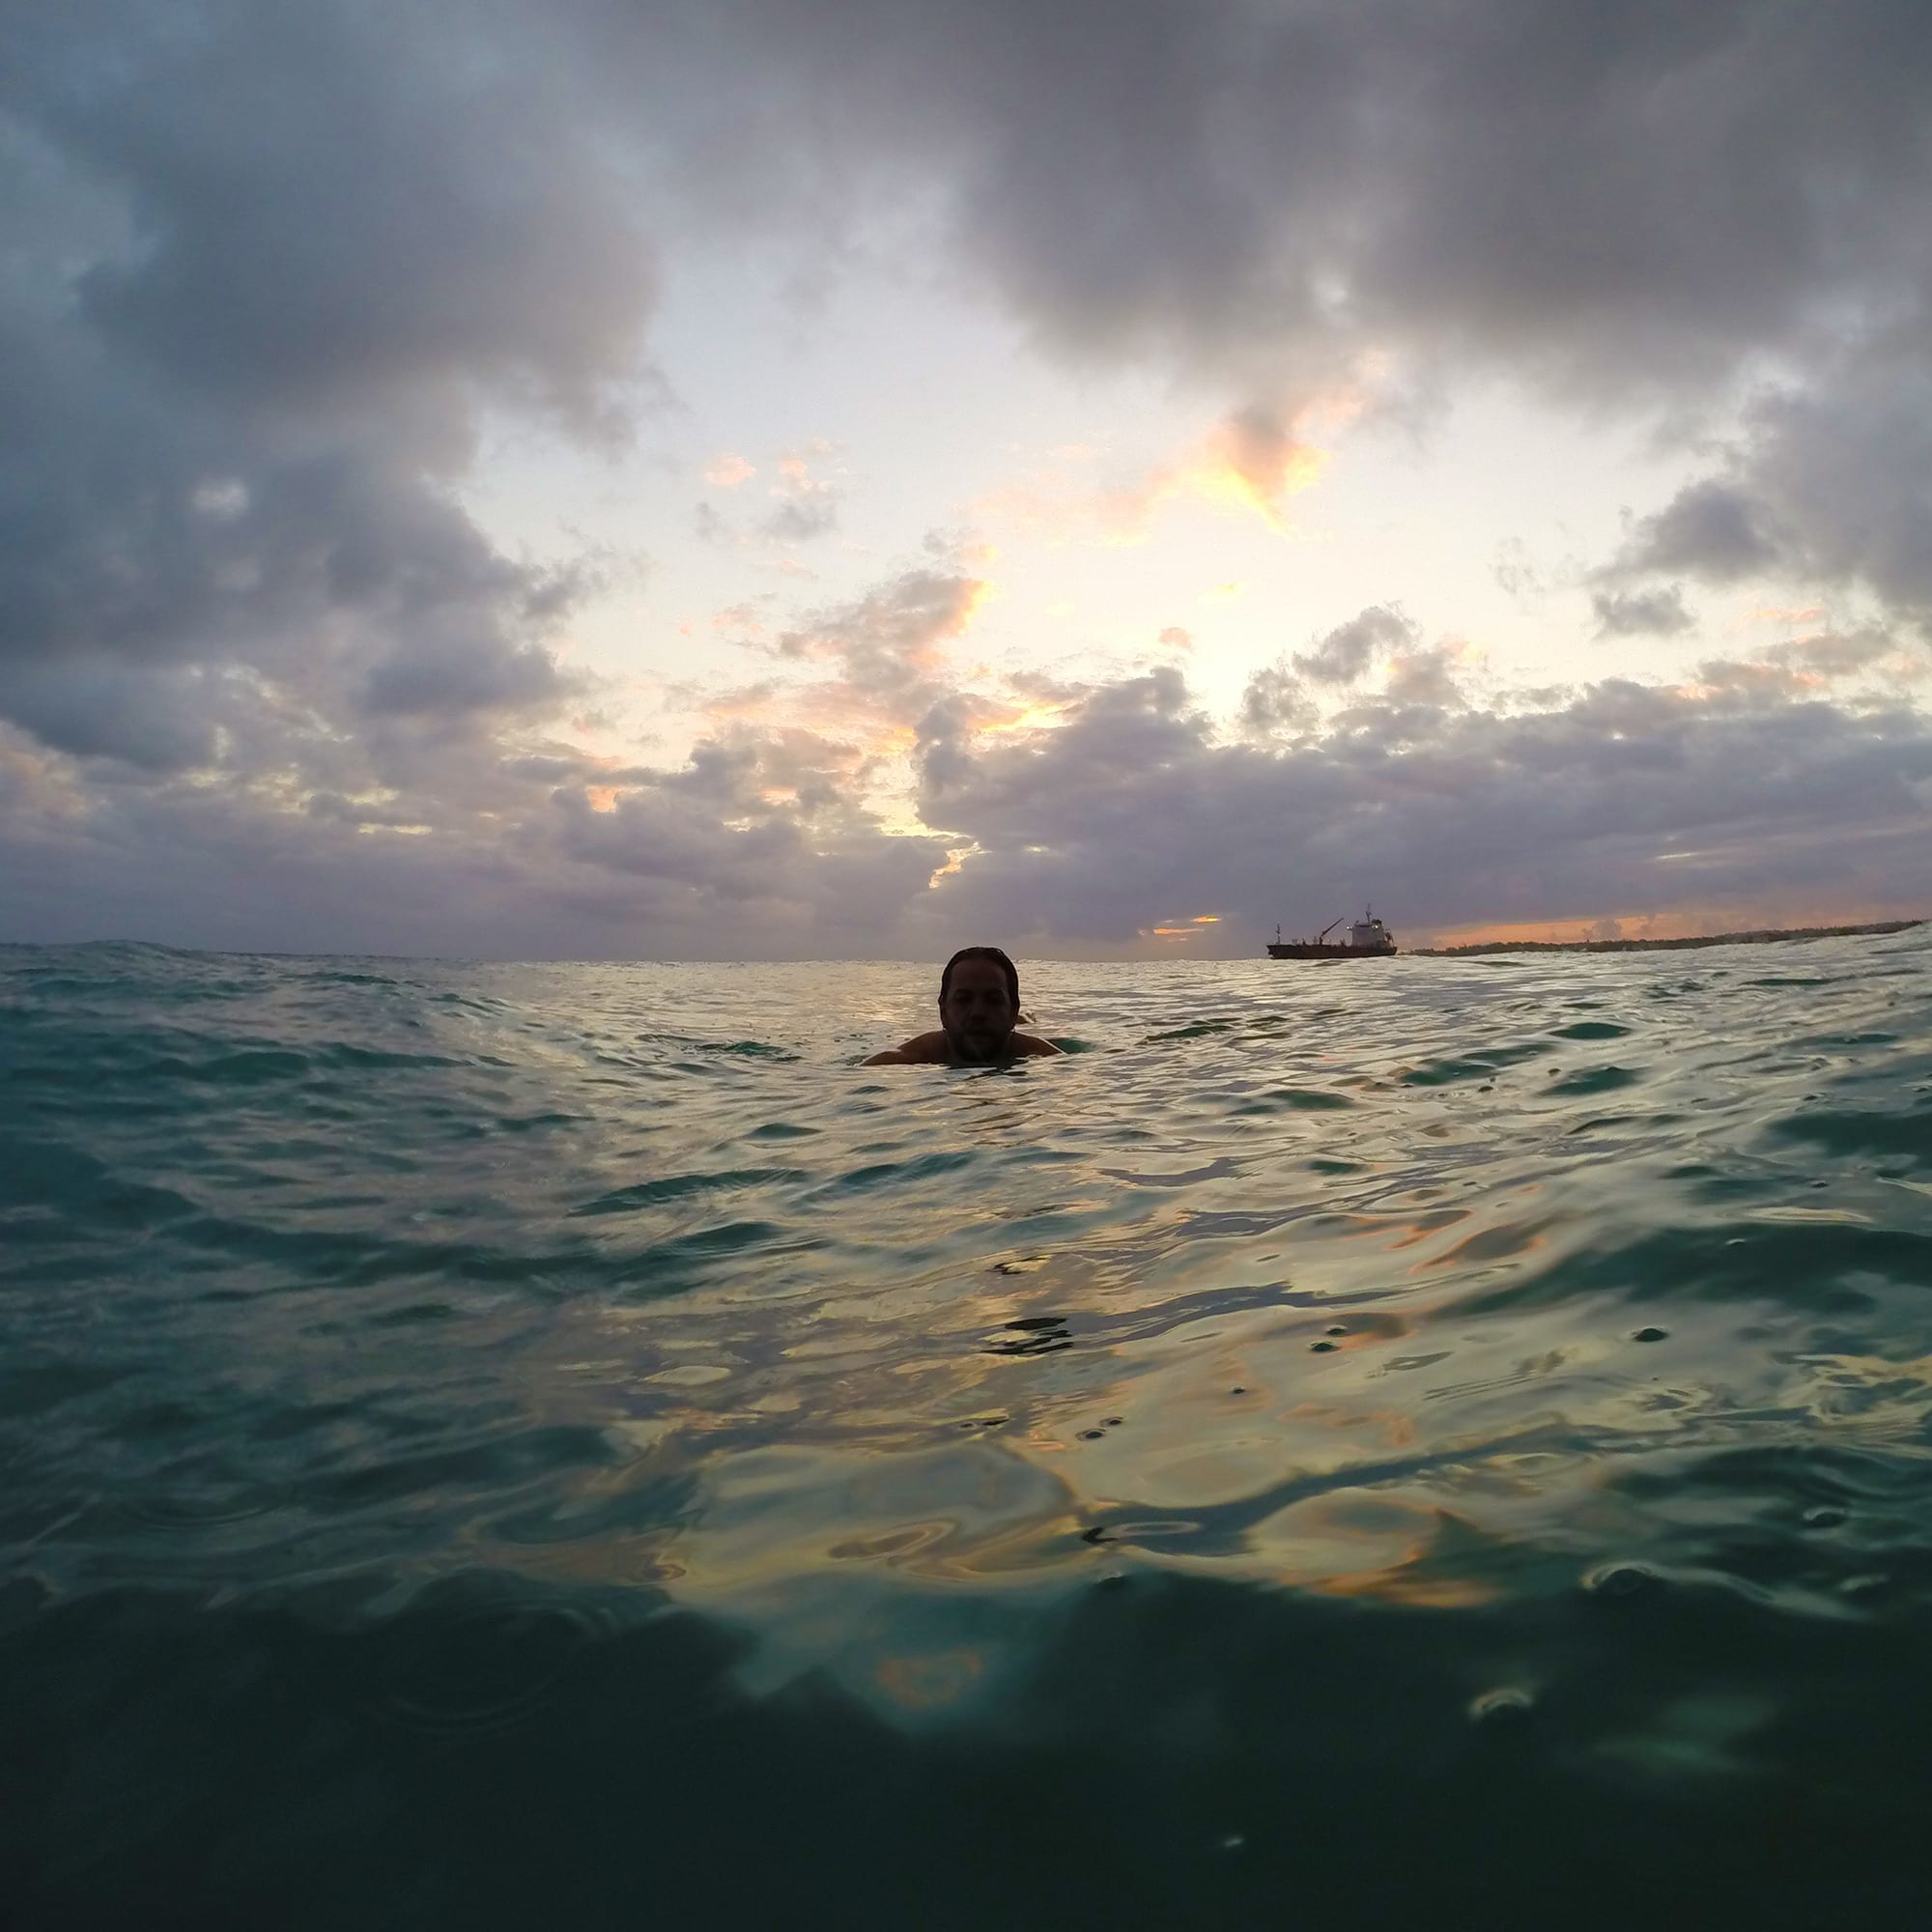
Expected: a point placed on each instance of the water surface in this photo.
(489, 1443)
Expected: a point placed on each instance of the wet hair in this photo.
(998, 958)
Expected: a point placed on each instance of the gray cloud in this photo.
(1637, 614)
(265, 267)
(1709, 528)
(335, 205)
(1602, 198)
(1844, 471)
(1750, 681)
(1347, 651)
(1829, 483)
(158, 719)
(806, 506)
(1425, 677)
(886, 644)
(801, 518)
(741, 771)
(443, 678)
(1834, 654)
(1275, 701)
(1258, 447)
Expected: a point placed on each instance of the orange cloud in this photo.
(1030, 715)
(1251, 463)
(955, 860)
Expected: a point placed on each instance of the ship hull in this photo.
(1309, 950)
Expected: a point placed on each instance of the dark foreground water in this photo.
(1431, 1441)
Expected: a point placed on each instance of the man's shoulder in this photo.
(934, 1049)
(1033, 1047)
(921, 1049)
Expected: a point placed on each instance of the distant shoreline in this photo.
(1759, 937)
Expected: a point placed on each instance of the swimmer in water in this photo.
(978, 1008)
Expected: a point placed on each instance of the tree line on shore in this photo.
(1758, 937)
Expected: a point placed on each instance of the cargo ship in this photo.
(1367, 939)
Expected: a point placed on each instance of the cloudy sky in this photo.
(815, 479)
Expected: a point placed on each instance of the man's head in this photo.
(978, 1002)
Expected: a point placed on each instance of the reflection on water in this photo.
(437, 1383)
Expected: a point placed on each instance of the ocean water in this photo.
(501, 1445)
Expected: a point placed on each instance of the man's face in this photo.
(976, 1012)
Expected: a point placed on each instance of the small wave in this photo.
(1294, 1100)
(1196, 1030)
(489, 1463)
(736, 1049)
(1596, 1080)
(683, 1186)
(1479, 1065)
(487, 1652)
(892, 1172)
(1905, 1137)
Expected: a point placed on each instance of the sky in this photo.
(741, 480)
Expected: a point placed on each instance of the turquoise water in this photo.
(488, 1445)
